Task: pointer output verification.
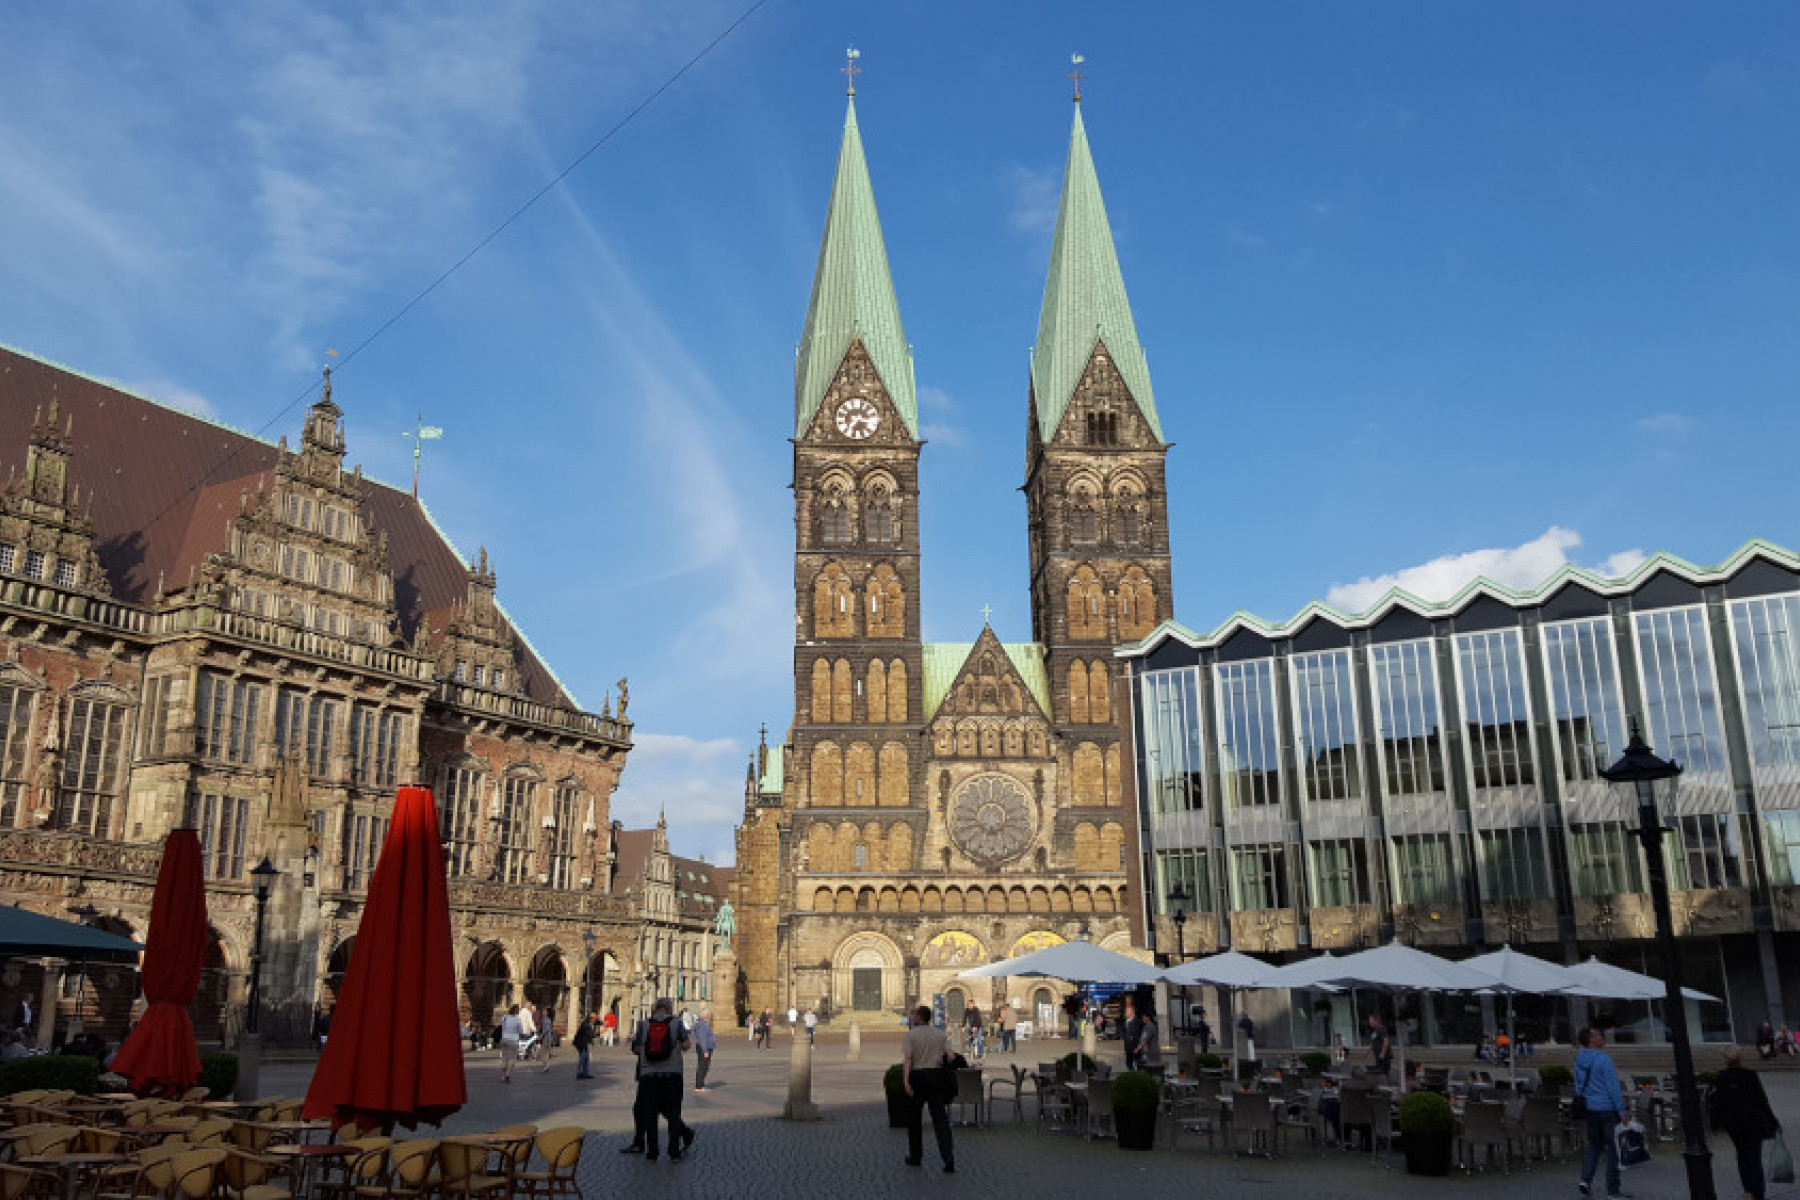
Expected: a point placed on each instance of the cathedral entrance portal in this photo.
(865, 988)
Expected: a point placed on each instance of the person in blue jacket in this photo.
(1597, 1082)
(705, 1042)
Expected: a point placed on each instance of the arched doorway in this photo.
(547, 982)
(487, 984)
(213, 997)
(594, 997)
(956, 1002)
(336, 967)
(1043, 1011)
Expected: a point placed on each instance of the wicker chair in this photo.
(248, 1176)
(459, 1171)
(561, 1151)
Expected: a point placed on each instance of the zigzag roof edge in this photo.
(1475, 589)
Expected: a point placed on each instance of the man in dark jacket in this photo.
(1741, 1108)
(659, 1082)
(584, 1038)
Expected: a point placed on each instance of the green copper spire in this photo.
(852, 295)
(1084, 300)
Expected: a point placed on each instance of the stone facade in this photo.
(197, 628)
(935, 807)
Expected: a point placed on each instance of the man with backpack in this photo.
(659, 1044)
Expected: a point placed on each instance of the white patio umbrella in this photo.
(1075, 962)
(1604, 981)
(1391, 968)
(1512, 973)
(1229, 970)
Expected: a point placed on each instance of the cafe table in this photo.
(306, 1159)
(71, 1169)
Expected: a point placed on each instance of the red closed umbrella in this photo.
(395, 1051)
(160, 1055)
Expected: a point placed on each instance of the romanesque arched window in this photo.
(1087, 847)
(895, 787)
(1137, 604)
(1087, 606)
(1078, 692)
(832, 607)
(880, 515)
(1128, 512)
(821, 691)
(899, 848)
(886, 600)
(859, 775)
(877, 692)
(1099, 693)
(827, 774)
(834, 512)
(1084, 515)
(896, 681)
(840, 692)
(1089, 782)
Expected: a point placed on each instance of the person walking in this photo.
(1133, 1029)
(1007, 1022)
(811, 1021)
(512, 1032)
(528, 1030)
(705, 1042)
(659, 1043)
(1381, 1046)
(975, 1033)
(928, 1082)
(609, 1028)
(1597, 1082)
(1740, 1107)
(584, 1038)
(546, 1024)
(765, 1029)
(1147, 1046)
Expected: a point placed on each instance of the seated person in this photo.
(1359, 1081)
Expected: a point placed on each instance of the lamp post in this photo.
(86, 914)
(1178, 896)
(262, 882)
(1652, 783)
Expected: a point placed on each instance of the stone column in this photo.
(854, 1054)
(799, 1103)
(48, 999)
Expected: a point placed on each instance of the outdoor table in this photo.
(71, 1168)
(295, 1129)
(306, 1160)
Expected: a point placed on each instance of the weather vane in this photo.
(420, 434)
(1075, 60)
(850, 69)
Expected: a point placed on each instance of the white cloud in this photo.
(1521, 568)
(946, 431)
(1664, 424)
(1240, 236)
(1036, 195)
(698, 784)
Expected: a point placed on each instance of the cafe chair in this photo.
(459, 1171)
(561, 1151)
(248, 1176)
(1021, 1079)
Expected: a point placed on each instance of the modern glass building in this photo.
(1430, 772)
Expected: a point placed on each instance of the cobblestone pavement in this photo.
(744, 1148)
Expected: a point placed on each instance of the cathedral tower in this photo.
(1096, 504)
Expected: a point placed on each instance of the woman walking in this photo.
(1741, 1109)
(512, 1032)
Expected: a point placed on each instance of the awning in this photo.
(25, 934)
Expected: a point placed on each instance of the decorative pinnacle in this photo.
(850, 69)
(1075, 61)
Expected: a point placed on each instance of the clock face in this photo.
(991, 818)
(857, 418)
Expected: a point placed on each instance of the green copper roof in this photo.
(1084, 300)
(943, 662)
(852, 295)
(771, 782)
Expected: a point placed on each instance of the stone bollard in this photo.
(855, 1052)
(799, 1103)
(1089, 1044)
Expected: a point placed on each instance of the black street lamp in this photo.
(1652, 782)
(587, 972)
(1178, 896)
(262, 882)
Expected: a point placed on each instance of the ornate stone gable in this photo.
(476, 648)
(45, 535)
(1102, 413)
(859, 386)
(989, 710)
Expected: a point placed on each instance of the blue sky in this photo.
(1428, 289)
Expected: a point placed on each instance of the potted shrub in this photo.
(1136, 1098)
(1207, 1062)
(1554, 1078)
(1074, 1065)
(1427, 1133)
(1317, 1062)
(898, 1103)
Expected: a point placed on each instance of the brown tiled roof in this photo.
(632, 849)
(631, 854)
(165, 485)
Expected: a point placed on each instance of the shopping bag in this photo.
(1633, 1146)
(1778, 1164)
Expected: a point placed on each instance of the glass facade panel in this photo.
(1190, 869)
(462, 817)
(1325, 726)
(1490, 669)
(1338, 872)
(15, 741)
(1681, 698)
(1259, 878)
(1249, 734)
(1408, 721)
(1513, 864)
(1604, 860)
(1707, 855)
(1583, 682)
(1782, 830)
(512, 855)
(1763, 632)
(90, 778)
(1174, 769)
(1424, 869)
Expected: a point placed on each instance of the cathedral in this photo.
(936, 806)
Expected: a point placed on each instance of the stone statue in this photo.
(725, 923)
(624, 697)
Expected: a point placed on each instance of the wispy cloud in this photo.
(1238, 235)
(1664, 424)
(1519, 567)
(939, 418)
(697, 783)
(1035, 196)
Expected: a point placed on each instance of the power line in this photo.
(477, 248)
